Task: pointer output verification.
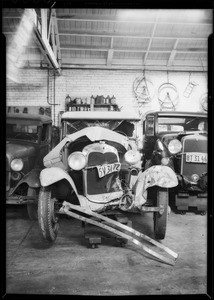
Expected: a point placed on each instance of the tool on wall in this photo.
(189, 88)
(143, 89)
(168, 96)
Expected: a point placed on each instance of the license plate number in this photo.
(194, 157)
(108, 169)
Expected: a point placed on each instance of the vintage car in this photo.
(97, 166)
(28, 140)
(179, 140)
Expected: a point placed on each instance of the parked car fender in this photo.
(31, 179)
(51, 175)
(157, 175)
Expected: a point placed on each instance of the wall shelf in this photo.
(99, 107)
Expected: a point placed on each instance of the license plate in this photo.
(194, 157)
(108, 169)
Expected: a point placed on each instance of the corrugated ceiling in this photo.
(173, 39)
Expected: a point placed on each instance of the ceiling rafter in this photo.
(56, 32)
(43, 40)
(137, 50)
(152, 35)
(106, 18)
(69, 37)
(110, 53)
(173, 53)
(126, 35)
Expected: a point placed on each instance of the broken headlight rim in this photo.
(17, 164)
(77, 161)
(132, 157)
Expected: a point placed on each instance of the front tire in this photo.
(160, 220)
(48, 221)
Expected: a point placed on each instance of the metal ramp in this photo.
(118, 229)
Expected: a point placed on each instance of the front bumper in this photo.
(16, 199)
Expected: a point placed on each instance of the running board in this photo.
(110, 226)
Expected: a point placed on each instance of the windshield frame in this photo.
(108, 124)
(189, 123)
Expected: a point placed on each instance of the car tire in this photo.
(32, 207)
(48, 221)
(160, 220)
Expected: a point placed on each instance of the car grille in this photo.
(193, 144)
(106, 184)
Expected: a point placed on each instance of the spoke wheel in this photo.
(32, 207)
(48, 221)
(160, 220)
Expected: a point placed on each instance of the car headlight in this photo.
(132, 157)
(17, 164)
(77, 161)
(175, 146)
(165, 161)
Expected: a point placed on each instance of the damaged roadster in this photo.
(97, 166)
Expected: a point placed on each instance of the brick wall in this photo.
(32, 88)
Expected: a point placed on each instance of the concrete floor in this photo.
(70, 268)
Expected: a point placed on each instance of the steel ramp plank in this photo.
(65, 209)
(117, 232)
(127, 228)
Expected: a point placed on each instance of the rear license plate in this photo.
(108, 169)
(194, 157)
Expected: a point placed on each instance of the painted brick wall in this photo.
(32, 88)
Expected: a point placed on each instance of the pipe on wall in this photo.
(54, 94)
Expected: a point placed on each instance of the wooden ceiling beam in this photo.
(42, 37)
(126, 35)
(152, 35)
(137, 50)
(100, 64)
(110, 53)
(173, 53)
(116, 19)
(56, 31)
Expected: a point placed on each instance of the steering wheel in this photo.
(24, 134)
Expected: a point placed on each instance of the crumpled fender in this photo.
(31, 178)
(51, 175)
(158, 175)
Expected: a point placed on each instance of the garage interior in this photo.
(60, 56)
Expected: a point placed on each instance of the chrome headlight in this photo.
(165, 161)
(17, 164)
(132, 157)
(76, 161)
(175, 146)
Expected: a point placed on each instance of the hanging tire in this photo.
(48, 221)
(160, 220)
(32, 207)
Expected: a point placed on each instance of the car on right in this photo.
(179, 140)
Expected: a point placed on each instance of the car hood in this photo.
(19, 150)
(93, 133)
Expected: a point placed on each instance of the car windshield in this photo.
(122, 126)
(26, 132)
(179, 124)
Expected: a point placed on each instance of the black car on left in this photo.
(28, 140)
